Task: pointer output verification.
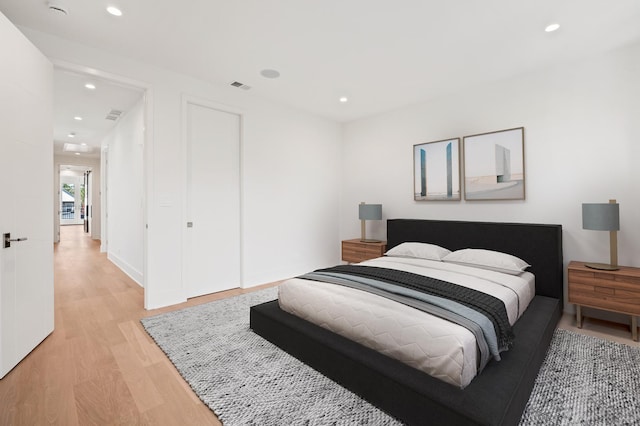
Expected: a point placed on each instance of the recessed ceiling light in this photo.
(77, 118)
(83, 144)
(552, 27)
(74, 147)
(77, 153)
(267, 73)
(114, 11)
(90, 86)
(72, 135)
(344, 99)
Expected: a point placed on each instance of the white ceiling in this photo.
(382, 55)
(72, 99)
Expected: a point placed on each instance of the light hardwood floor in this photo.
(613, 331)
(99, 366)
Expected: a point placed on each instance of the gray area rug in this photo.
(246, 380)
(585, 380)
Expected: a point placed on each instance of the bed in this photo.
(495, 397)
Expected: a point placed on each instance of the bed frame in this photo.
(499, 395)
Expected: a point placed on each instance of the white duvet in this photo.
(436, 346)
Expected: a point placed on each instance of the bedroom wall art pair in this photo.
(493, 167)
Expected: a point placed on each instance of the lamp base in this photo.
(602, 266)
(369, 241)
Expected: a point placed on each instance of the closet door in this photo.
(212, 229)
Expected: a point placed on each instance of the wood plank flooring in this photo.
(99, 366)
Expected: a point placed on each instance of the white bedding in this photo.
(436, 346)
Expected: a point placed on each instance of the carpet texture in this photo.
(585, 380)
(246, 380)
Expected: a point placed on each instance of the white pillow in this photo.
(488, 259)
(418, 250)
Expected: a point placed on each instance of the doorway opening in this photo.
(95, 113)
(76, 196)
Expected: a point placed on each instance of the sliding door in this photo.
(212, 227)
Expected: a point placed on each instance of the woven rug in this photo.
(246, 380)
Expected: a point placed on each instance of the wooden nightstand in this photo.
(354, 251)
(615, 291)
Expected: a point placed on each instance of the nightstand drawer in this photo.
(614, 299)
(355, 251)
(589, 277)
(605, 280)
(360, 250)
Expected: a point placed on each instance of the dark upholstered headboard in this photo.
(538, 245)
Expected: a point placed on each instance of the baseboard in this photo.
(132, 272)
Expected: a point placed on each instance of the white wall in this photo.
(125, 222)
(291, 172)
(94, 165)
(582, 144)
(290, 175)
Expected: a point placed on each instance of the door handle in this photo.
(8, 240)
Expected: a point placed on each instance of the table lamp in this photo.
(368, 212)
(603, 217)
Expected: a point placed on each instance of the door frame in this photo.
(104, 199)
(59, 196)
(184, 136)
(147, 155)
(88, 164)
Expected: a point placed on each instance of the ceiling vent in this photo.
(58, 6)
(113, 115)
(240, 85)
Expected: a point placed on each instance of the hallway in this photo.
(98, 366)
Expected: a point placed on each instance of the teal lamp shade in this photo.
(368, 212)
(603, 217)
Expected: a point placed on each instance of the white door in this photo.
(212, 234)
(26, 173)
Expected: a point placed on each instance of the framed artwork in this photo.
(436, 171)
(494, 165)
